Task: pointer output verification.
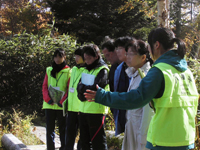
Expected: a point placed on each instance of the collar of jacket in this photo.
(96, 64)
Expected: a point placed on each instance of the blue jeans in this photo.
(51, 116)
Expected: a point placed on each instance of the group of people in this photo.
(148, 88)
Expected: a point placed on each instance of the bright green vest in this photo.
(174, 121)
(73, 101)
(92, 107)
(61, 80)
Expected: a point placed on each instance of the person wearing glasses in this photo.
(137, 120)
(170, 87)
(121, 82)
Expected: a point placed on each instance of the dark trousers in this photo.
(51, 116)
(92, 134)
(71, 130)
(120, 120)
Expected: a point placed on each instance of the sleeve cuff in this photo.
(50, 101)
(59, 104)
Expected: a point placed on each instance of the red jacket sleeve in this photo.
(66, 94)
(45, 91)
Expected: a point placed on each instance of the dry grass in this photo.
(19, 125)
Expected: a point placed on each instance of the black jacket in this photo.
(101, 79)
(111, 76)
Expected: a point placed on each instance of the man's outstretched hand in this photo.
(89, 95)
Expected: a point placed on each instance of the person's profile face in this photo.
(110, 56)
(154, 51)
(150, 52)
(79, 59)
(106, 54)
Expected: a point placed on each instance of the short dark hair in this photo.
(109, 44)
(122, 41)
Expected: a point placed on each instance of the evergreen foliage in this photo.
(92, 20)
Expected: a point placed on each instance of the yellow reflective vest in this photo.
(73, 101)
(92, 107)
(174, 121)
(61, 80)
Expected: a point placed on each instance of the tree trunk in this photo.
(191, 11)
(178, 21)
(163, 13)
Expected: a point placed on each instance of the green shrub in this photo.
(114, 142)
(110, 123)
(194, 65)
(23, 60)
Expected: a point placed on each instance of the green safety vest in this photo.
(93, 107)
(61, 80)
(73, 101)
(174, 121)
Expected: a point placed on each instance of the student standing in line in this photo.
(92, 115)
(121, 82)
(171, 86)
(57, 76)
(137, 120)
(74, 102)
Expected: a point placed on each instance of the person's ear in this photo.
(157, 44)
(144, 57)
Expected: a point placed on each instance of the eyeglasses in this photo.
(131, 54)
